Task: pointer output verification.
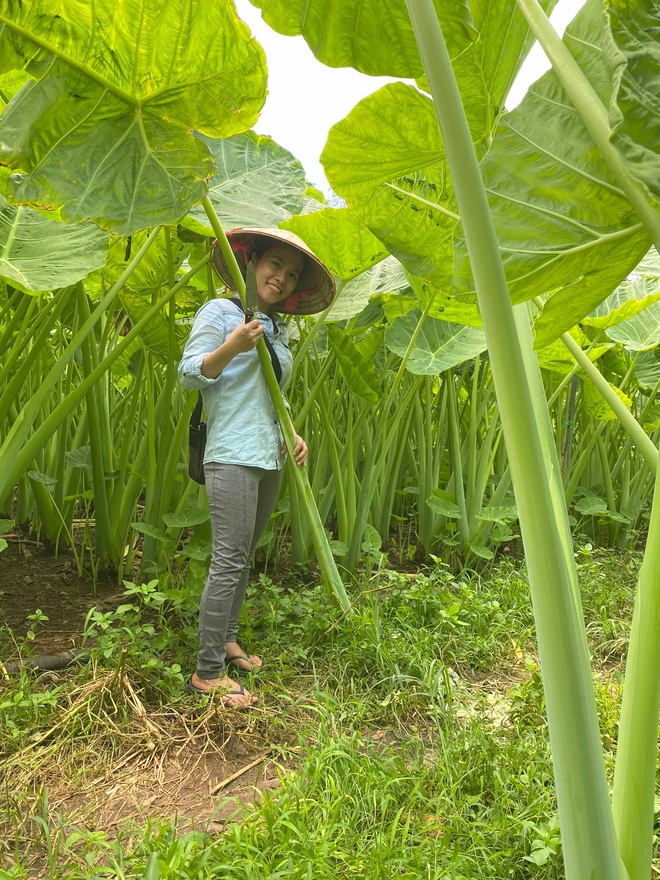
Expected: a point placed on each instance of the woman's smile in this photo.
(277, 273)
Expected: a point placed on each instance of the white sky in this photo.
(306, 98)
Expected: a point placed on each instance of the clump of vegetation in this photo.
(555, 202)
(406, 738)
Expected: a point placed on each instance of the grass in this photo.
(409, 736)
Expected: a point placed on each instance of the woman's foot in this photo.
(230, 693)
(236, 656)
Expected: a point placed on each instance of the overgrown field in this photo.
(487, 374)
(405, 739)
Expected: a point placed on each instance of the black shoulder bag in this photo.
(197, 428)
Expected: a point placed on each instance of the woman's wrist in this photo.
(215, 362)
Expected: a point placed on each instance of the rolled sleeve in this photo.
(190, 373)
(208, 332)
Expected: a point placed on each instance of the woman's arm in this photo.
(210, 347)
(243, 338)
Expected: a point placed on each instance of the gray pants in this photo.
(241, 500)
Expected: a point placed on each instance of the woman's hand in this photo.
(299, 447)
(300, 450)
(245, 336)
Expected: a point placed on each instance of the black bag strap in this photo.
(196, 416)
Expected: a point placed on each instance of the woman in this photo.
(244, 448)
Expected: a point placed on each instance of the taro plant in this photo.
(562, 205)
(99, 447)
(126, 110)
(572, 238)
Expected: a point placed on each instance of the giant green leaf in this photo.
(596, 405)
(631, 297)
(647, 369)
(485, 71)
(389, 134)
(370, 346)
(570, 303)
(640, 332)
(10, 83)
(438, 304)
(128, 362)
(386, 158)
(373, 36)
(497, 56)
(151, 273)
(633, 53)
(359, 373)
(338, 238)
(649, 267)
(258, 183)
(444, 307)
(557, 357)
(385, 277)
(563, 224)
(39, 254)
(104, 127)
(438, 345)
(154, 336)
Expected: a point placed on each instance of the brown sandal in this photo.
(231, 661)
(223, 696)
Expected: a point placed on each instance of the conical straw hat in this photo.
(316, 286)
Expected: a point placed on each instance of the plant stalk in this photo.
(637, 749)
(588, 838)
(627, 419)
(327, 564)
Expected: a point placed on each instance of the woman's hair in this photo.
(260, 245)
(263, 243)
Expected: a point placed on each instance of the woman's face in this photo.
(277, 272)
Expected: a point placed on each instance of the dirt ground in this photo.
(31, 579)
(200, 766)
(202, 785)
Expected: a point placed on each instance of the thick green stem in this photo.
(101, 511)
(637, 749)
(20, 307)
(14, 443)
(332, 442)
(393, 404)
(385, 432)
(37, 332)
(327, 564)
(312, 334)
(457, 462)
(588, 839)
(129, 426)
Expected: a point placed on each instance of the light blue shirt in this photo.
(242, 426)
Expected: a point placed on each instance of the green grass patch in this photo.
(409, 735)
